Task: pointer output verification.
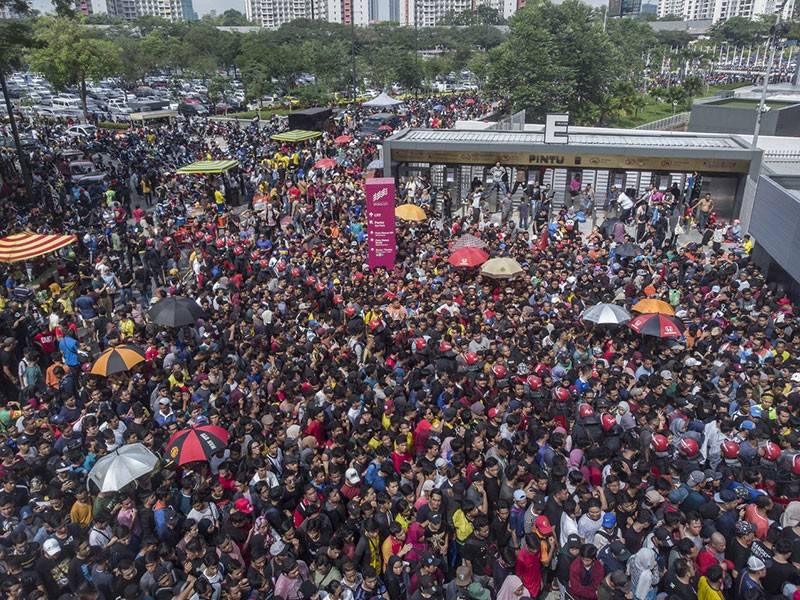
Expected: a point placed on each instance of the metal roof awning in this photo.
(203, 167)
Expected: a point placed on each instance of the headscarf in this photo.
(791, 516)
(397, 587)
(511, 584)
(641, 570)
(575, 460)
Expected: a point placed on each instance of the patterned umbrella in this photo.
(468, 258)
(195, 444)
(468, 241)
(651, 305)
(606, 314)
(656, 325)
(117, 360)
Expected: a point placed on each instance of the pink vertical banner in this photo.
(381, 240)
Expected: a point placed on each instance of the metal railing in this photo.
(668, 123)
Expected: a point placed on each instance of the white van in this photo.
(60, 102)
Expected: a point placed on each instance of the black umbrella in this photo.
(175, 311)
(629, 250)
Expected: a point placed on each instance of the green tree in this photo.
(217, 87)
(408, 71)
(71, 54)
(556, 57)
(741, 31)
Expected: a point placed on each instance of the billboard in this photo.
(381, 240)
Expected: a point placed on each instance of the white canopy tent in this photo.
(383, 100)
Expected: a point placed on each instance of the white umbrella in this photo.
(125, 464)
(606, 314)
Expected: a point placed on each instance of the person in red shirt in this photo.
(585, 574)
(316, 427)
(401, 453)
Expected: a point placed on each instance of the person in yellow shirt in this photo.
(81, 511)
(462, 521)
(748, 244)
(219, 200)
(126, 327)
(710, 585)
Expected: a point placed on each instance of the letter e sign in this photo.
(556, 128)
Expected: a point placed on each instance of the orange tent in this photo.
(27, 245)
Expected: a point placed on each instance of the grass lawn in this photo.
(654, 110)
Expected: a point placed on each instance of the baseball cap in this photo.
(755, 564)
(463, 576)
(351, 475)
(696, 478)
(519, 495)
(542, 523)
(663, 536)
(609, 520)
(243, 505)
(477, 591)
(51, 547)
(678, 495)
(724, 496)
(429, 560)
(654, 498)
(620, 552)
(665, 374)
(743, 528)
(795, 378)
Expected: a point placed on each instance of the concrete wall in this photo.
(708, 117)
(775, 225)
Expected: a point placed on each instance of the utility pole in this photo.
(776, 33)
(353, 48)
(23, 160)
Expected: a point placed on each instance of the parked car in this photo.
(82, 131)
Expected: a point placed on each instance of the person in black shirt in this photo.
(679, 581)
(781, 570)
(738, 551)
(476, 547)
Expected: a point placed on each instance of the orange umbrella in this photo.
(27, 245)
(651, 305)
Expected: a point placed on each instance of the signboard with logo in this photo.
(381, 240)
(562, 160)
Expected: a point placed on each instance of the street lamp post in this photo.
(776, 31)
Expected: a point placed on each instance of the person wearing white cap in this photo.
(749, 583)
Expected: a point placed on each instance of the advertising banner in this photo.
(381, 240)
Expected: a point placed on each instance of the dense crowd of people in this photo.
(418, 433)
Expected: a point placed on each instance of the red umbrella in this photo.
(343, 139)
(325, 163)
(384, 128)
(196, 444)
(470, 101)
(468, 257)
(657, 325)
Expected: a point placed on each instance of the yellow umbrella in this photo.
(410, 212)
(651, 305)
(501, 268)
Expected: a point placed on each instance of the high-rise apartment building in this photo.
(171, 10)
(274, 13)
(722, 10)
